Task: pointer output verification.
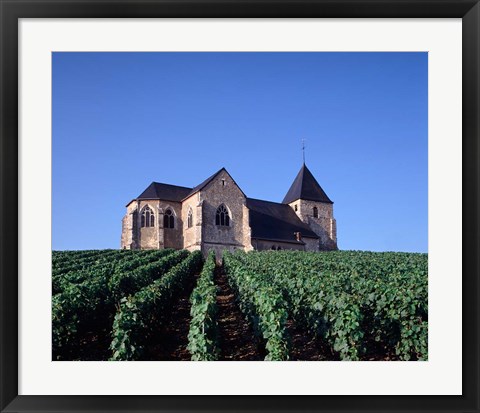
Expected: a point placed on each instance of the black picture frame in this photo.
(12, 10)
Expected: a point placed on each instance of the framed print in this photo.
(231, 206)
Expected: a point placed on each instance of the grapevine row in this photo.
(85, 262)
(137, 312)
(203, 333)
(104, 267)
(62, 257)
(262, 303)
(354, 299)
(95, 297)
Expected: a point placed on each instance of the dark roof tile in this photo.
(199, 187)
(271, 220)
(165, 191)
(208, 180)
(305, 186)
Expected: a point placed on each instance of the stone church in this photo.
(216, 214)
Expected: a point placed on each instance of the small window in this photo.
(147, 218)
(190, 219)
(296, 207)
(222, 218)
(223, 182)
(168, 219)
(273, 247)
(279, 248)
(315, 212)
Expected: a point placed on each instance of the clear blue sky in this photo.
(123, 120)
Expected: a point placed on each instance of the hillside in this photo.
(273, 305)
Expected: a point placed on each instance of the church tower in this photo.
(312, 205)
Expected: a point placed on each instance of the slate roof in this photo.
(175, 193)
(199, 187)
(305, 186)
(165, 191)
(274, 221)
(208, 180)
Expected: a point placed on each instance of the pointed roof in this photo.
(177, 193)
(305, 186)
(167, 192)
(201, 186)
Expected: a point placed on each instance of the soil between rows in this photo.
(170, 338)
(236, 337)
(305, 347)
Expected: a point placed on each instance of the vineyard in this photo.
(272, 305)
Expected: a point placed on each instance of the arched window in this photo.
(222, 218)
(168, 219)
(315, 212)
(190, 219)
(148, 217)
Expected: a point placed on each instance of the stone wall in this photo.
(129, 227)
(172, 237)
(311, 244)
(192, 237)
(247, 231)
(324, 225)
(148, 237)
(264, 245)
(156, 237)
(223, 190)
(127, 232)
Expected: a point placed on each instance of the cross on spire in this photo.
(303, 149)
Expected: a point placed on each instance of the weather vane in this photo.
(303, 149)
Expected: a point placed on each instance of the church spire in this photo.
(306, 187)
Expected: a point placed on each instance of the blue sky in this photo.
(123, 120)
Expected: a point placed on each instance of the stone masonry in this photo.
(324, 225)
(196, 221)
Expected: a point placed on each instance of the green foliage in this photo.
(104, 265)
(353, 298)
(84, 262)
(60, 258)
(361, 303)
(79, 304)
(136, 274)
(125, 326)
(136, 312)
(263, 303)
(202, 336)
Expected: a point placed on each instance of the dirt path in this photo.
(169, 342)
(236, 338)
(305, 347)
